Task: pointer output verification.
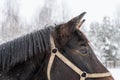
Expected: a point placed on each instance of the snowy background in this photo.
(102, 26)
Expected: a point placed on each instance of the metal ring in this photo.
(54, 50)
(84, 74)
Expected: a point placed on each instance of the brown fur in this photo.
(26, 58)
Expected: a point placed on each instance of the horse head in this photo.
(72, 43)
(54, 53)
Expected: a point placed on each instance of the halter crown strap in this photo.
(83, 74)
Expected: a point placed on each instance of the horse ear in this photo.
(69, 27)
(77, 21)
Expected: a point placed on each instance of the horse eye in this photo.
(84, 50)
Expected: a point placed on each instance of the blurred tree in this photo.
(44, 15)
(105, 38)
(53, 11)
(10, 26)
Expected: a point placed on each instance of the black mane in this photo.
(25, 47)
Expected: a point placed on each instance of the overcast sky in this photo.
(95, 9)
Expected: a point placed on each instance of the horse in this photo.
(60, 52)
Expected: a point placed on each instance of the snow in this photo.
(115, 73)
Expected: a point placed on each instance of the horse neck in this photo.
(24, 48)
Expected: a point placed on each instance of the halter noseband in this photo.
(83, 74)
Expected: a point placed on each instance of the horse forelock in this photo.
(23, 48)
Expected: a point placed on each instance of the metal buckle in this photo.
(83, 76)
(54, 50)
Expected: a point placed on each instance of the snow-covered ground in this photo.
(115, 73)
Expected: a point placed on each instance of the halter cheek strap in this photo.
(83, 74)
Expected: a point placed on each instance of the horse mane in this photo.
(25, 47)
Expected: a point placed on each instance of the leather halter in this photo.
(83, 75)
